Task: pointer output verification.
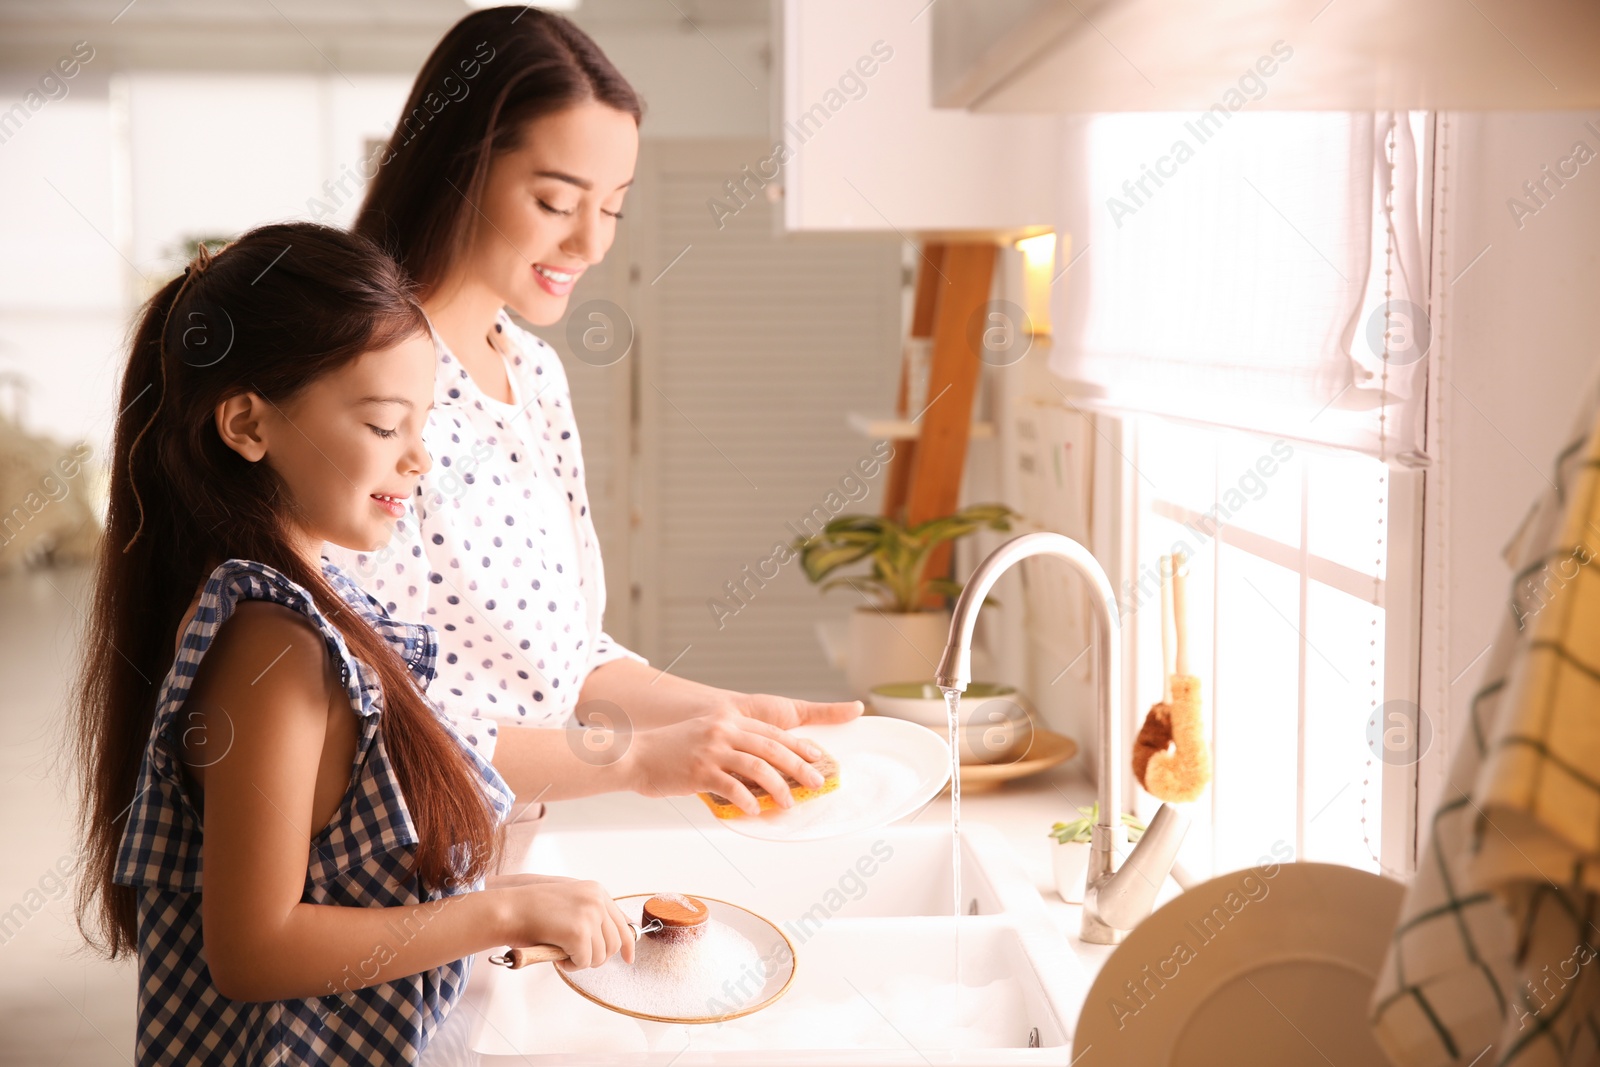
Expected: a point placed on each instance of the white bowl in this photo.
(996, 725)
(923, 702)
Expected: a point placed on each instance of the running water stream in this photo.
(952, 701)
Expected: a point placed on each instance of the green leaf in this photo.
(964, 522)
(1067, 833)
(989, 514)
(899, 556)
(936, 530)
(872, 524)
(1082, 828)
(856, 537)
(822, 561)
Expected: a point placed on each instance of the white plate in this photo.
(888, 769)
(1277, 970)
(771, 944)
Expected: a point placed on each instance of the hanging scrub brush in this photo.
(1182, 773)
(1156, 733)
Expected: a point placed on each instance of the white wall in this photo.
(142, 159)
(104, 186)
(218, 155)
(695, 86)
(1521, 336)
(61, 300)
(870, 152)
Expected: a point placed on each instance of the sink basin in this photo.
(895, 871)
(874, 945)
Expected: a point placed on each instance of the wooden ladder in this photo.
(953, 282)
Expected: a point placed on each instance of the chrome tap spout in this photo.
(1115, 900)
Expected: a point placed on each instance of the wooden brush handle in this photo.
(1180, 615)
(1166, 630)
(517, 958)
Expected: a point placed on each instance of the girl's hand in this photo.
(578, 917)
(702, 755)
(512, 881)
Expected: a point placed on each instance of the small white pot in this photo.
(888, 646)
(1071, 863)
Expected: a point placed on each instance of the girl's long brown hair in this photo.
(491, 74)
(270, 314)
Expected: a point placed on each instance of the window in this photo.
(1290, 619)
(1274, 283)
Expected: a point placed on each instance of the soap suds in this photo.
(680, 980)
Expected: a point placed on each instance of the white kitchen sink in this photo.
(786, 880)
(869, 917)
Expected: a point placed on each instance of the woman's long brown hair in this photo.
(270, 314)
(491, 74)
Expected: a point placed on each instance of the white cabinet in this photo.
(860, 146)
(1087, 56)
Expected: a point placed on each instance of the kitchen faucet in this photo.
(1114, 901)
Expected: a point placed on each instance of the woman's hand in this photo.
(578, 917)
(703, 753)
(680, 737)
(786, 712)
(637, 696)
(635, 735)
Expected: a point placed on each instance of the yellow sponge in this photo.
(825, 765)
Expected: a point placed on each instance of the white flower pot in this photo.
(1070, 862)
(888, 646)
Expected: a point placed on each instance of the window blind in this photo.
(1262, 271)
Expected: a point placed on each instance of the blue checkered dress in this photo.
(359, 860)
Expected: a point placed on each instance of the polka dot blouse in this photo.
(499, 552)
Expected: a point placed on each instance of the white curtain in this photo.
(1256, 270)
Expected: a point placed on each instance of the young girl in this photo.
(275, 817)
(500, 200)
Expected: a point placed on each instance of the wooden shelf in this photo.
(889, 427)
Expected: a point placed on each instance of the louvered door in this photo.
(752, 349)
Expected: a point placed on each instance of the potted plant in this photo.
(1070, 857)
(894, 637)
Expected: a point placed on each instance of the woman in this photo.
(503, 182)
